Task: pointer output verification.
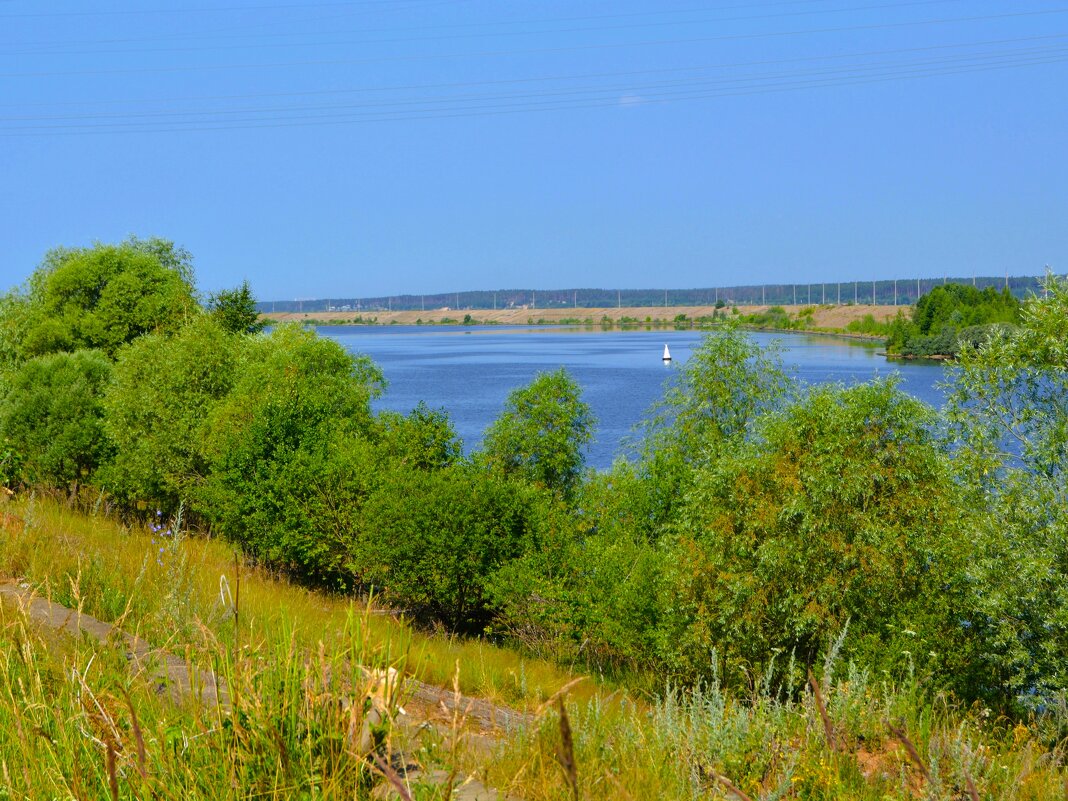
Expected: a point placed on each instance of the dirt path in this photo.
(167, 672)
(174, 676)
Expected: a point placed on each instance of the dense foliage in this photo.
(53, 415)
(754, 521)
(235, 309)
(541, 433)
(951, 318)
(105, 296)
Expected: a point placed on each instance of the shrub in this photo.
(163, 391)
(423, 439)
(235, 309)
(542, 432)
(295, 427)
(432, 540)
(107, 295)
(52, 416)
(842, 509)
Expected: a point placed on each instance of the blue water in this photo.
(469, 372)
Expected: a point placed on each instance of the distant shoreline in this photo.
(824, 320)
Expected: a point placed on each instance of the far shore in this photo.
(825, 319)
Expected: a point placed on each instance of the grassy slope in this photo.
(167, 591)
(60, 705)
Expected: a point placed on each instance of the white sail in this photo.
(667, 354)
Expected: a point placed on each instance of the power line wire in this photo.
(528, 22)
(571, 48)
(511, 108)
(989, 57)
(545, 78)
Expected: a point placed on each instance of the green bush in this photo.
(432, 540)
(156, 417)
(423, 439)
(940, 318)
(291, 442)
(542, 433)
(235, 309)
(843, 509)
(52, 416)
(107, 295)
(592, 589)
(1008, 416)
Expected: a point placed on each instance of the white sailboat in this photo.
(667, 354)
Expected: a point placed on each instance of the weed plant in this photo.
(76, 721)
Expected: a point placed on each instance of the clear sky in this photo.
(387, 146)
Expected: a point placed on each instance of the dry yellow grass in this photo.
(117, 571)
(837, 317)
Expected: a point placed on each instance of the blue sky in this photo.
(388, 146)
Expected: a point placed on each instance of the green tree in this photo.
(1008, 409)
(105, 296)
(591, 589)
(163, 390)
(295, 427)
(235, 309)
(432, 541)
(542, 433)
(711, 401)
(423, 439)
(52, 416)
(842, 508)
(949, 317)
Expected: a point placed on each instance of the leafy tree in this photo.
(949, 317)
(592, 587)
(52, 416)
(235, 309)
(432, 541)
(725, 385)
(542, 433)
(1008, 408)
(105, 296)
(290, 430)
(842, 509)
(423, 439)
(163, 390)
(14, 320)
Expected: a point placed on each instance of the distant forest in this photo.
(902, 292)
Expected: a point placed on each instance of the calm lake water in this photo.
(469, 372)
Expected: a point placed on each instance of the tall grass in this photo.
(76, 722)
(887, 741)
(166, 588)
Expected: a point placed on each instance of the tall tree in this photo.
(235, 309)
(105, 296)
(52, 415)
(542, 433)
(1008, 408)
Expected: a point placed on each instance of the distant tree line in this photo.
(755, 519)
(902, 292)
(951, 318)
